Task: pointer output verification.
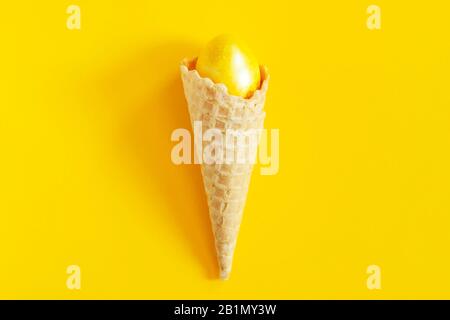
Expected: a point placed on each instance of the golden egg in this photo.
(227, 59)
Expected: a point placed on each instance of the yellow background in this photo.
(85, 170)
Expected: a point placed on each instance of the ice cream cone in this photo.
(226, 184)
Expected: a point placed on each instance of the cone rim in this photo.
(187, 66)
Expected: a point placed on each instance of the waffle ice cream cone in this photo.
(226, 184)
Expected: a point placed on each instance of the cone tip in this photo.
(224, 275)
